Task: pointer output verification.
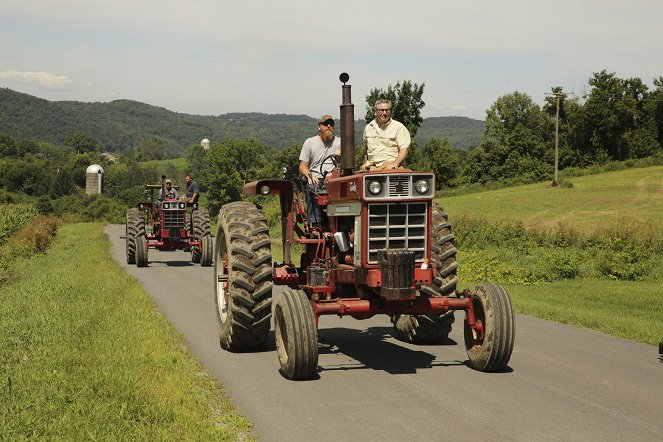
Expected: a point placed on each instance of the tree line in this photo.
(617, 120)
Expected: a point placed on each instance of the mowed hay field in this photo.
(589, 255)
(630, 200)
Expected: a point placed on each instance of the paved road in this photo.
(563, 383)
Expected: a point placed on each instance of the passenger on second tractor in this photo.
(312, 164)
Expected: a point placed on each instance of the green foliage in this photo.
(90, 208)
(81, 142)
(509, 253)
(13, 217)
(230, 165)
(33, 236)
(195, 157)
(150, 148)
(439, 157)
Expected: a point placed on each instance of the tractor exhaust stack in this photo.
(347, 128)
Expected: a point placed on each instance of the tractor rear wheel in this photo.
(296, 335)
(489, 348)
(135, 226)
(243, 277)
(201, 228)
(434, 328)
(141, 251)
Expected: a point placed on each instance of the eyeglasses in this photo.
(384, 111)
(328, 123)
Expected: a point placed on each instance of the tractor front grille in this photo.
(174, 219)
(399, 185)
(397, 226)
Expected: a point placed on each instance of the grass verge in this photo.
(84, 354)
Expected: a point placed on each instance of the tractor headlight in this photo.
(166, 205)
(375, 187)
(422, 186)
(182, 205)
(265, 190)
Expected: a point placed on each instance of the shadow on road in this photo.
(372, 350)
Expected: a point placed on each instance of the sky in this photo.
(211, 57)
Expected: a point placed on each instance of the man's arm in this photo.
(304, 170)
(402, 153)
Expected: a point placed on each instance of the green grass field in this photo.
(630, 200)
(620, 210)
(85, 355)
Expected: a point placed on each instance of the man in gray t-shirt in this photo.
(313, 166)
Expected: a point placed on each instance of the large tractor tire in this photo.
(201, 228)
(296, 335)
(141, 251)
(207, 251)
(434, 328)
(243, 277)
(135, 226)
(490, 348)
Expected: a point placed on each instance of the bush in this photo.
(13, 217)
(90, 208)
(508, 253)
(34, 237)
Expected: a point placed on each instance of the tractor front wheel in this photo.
(207, 250)
(243, 277)
(490, 344)
(200, 221)
(141, 251)
(135, 226)
(296, 335)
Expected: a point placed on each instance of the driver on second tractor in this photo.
(170, 193)
(315, 163)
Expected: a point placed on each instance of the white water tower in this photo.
(94, 179)
(205, 143)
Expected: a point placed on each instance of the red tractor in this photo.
(384, 247)
(165, 224)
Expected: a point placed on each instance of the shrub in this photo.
(13, 217)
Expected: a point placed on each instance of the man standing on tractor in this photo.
(192, 189)
(315, 163)
(386, 140)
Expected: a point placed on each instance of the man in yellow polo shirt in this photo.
(386, 140)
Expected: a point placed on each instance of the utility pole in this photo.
(556, 95)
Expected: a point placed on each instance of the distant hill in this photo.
(462, 132)
(120, 124)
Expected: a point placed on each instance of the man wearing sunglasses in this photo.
(385, 139)
(314, 163)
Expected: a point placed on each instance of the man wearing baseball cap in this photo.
(171, 193)
(314, 163)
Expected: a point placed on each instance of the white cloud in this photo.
(44, 80)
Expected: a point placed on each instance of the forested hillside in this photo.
(122, 124)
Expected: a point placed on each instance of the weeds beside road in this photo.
(84, 354)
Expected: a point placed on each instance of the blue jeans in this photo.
(313, 211)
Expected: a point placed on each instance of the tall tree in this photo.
(231, 164)
(513, 146)
(81, 142)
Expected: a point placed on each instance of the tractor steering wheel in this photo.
(331, 157)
